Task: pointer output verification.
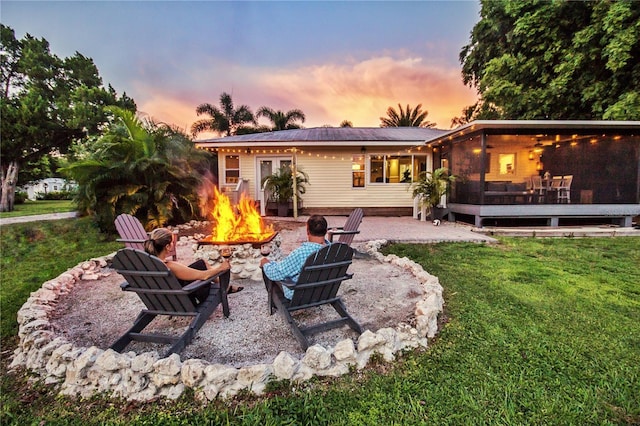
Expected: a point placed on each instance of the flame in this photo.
(242, 223)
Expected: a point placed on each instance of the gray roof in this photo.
(327, 135)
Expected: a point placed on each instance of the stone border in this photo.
(88, 371)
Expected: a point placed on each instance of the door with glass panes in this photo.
(267, 166)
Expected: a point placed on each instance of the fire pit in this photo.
(240, 231)
(254, 241)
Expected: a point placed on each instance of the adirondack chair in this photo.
(162, 294)
(133, 235)
(317, 285)
(347, 232)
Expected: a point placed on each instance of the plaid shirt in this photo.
(291, 266)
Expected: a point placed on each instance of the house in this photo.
(44, 186)
(592, 169)
(371, 168)
(542, 172)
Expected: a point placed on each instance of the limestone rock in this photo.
(144, 363)
(192, 372)
(111, 360)
(167, 371)
(285, 366)
(317, 357)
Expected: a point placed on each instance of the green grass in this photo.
(30, 208)
(35, 252)
(536, 331)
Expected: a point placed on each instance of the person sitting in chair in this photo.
(159, 243)
(291, 266)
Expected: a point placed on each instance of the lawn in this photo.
(30, 208)
(536, 331)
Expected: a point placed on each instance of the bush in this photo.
(20, 197)
(56, 195)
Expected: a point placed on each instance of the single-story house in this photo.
(508, 172)
(371, 168)
(44, 186)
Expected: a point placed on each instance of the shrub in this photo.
(20, 197)
(56, 195)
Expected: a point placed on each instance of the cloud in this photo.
(362, 91)
(358, 91)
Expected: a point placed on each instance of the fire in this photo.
(240, 223)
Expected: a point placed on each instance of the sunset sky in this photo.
(333, 60)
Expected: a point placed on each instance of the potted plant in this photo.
(280, 186)
(430, 187)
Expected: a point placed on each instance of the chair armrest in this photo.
(340, 232)
(128, 240)
(224, 282)
(288, 283)
(196, 285)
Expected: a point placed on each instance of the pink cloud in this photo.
(359, 91)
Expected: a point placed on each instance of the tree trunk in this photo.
(9, 187)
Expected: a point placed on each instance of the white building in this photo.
(47, 185)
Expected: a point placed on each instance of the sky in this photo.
(334, 60)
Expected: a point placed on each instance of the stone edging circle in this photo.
(80, 371)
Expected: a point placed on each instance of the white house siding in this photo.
(47, 185)
(330, 178)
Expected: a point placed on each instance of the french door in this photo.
(266, 166)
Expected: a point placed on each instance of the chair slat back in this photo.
(536, 182)
(130, 228)
(324, 272)
(144, 271)
(353, 222)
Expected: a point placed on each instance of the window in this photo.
(396, 168)
(231, 169)
(357, 171)
(507, 163)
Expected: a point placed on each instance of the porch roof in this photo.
(329, 136)
(527, 126)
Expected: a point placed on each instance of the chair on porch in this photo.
(317, 285)
(347, 233)
(162, 294)
(537, 188)
(133, 235)
(564, 189)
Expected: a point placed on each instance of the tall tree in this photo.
(141, 168)
(411, 117)
(225, 120)
(555, 60)
(282, 120)
(45, 104)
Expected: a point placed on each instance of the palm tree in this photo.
(225, 120)
(150, 171)
(282, 120)
(346, 123)
(408, 118)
